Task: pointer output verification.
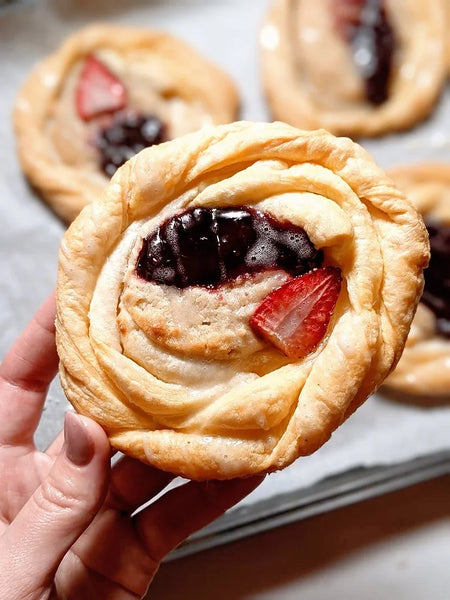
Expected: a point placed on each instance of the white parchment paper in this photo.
(382, 431)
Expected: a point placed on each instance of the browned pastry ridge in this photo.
(176, 376)
(424, 368)
(163, 77)
(316, 63)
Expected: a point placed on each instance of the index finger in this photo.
(177, 514)
(25, 374)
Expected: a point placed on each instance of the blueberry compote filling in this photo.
(127, 135)
(210, 246)
(437, 277)
(366, 27)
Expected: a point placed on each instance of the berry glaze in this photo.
(211, 246)
(124, 137)
(436, 294)
(366, 27)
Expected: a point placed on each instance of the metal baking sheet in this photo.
(386, 444)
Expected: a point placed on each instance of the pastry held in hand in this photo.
(162, 323)
(354, 67)
(105, 94)
(424, 368)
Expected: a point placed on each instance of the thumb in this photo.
(58, 512)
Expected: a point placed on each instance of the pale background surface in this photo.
(381, 432)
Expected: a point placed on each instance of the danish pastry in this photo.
(354, 67)
(424, 368)
(235, 295)
(108, 92)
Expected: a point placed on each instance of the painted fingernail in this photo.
(79, 447)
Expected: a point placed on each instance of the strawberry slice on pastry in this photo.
(295, 316)
(99, 91)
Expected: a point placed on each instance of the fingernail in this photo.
(79, 447)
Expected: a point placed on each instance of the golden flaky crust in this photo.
(311, 81)
(424, 368)
(242, 408)
(54, 143)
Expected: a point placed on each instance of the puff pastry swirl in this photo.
(176, 376)
(424, 368)
(162, 76)
(317, 55)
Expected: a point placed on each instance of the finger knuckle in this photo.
(56, 496)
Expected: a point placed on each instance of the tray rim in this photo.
(333, 492)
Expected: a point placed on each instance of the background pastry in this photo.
(108, 92)
(424, 368)
(354, 67)
(185, 295)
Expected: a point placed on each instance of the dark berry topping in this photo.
(210, 246)
(437, 277)
(364, 23)
(127, 135)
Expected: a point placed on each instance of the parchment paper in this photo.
(382, 431)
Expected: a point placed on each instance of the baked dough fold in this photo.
(176, 376)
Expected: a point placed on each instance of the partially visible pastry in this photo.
(424, 368)
(354, 67)
(235, 295)
(105, 94)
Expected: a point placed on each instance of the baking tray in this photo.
(385, 445)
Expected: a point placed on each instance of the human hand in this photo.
(66, 524)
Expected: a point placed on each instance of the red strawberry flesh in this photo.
(347, 15)
(295, 317)
(99, 91)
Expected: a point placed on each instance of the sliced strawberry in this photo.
(347, 15)
(99, 91)
(295, 316)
